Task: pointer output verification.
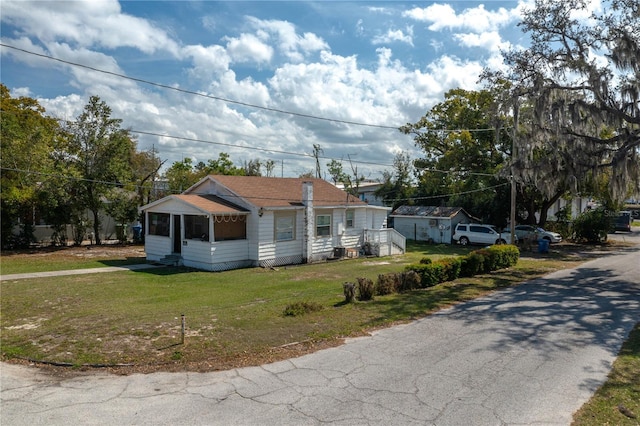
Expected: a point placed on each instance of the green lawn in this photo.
(236, 318)
(231, 317)
(617, 402)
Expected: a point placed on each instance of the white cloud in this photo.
(207, 61)
(248, 48)
(395, 36)
(86, 24)
(491, 41)
(476, 19)
(292, 45)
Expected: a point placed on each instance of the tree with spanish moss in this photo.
(581, 78)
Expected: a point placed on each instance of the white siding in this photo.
(425, 229)
(157, 247)
(215, 256)
(275, 253)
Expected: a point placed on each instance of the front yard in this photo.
(231, 319)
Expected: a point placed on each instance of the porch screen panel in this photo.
(159, 224)
(196, 227)
(230, 228)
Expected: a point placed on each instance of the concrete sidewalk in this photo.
(46, 274)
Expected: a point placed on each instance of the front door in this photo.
(177, 234)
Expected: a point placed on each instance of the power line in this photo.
(134, 185)
(190, 92)
(231, 101)
(142, 132)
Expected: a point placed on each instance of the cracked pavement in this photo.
(528, 355)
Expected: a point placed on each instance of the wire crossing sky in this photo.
(260, 79)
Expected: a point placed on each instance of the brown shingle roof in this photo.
(210, 203)
(284, 192)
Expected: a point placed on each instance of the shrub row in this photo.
(429, 273)
(477, 262)
(366, 289)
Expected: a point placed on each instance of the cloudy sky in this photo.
(258, 80)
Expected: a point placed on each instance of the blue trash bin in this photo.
(137, 233)
(543, 246)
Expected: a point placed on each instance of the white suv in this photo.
(470, 233)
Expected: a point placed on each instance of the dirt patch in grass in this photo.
(111, 251)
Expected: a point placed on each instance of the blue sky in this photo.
(377, 63)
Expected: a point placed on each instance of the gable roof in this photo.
(429, 211)
(283, 192)
(210, 203)
(204, 202)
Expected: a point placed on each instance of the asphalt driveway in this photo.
(532, 354)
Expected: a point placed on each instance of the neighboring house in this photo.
(429, 223)
(229, 222)
(43, 233)
(577, 204)
(367, 192)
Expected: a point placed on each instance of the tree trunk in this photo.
(546, 205)
(96, 225)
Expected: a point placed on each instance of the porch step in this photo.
(171, 260)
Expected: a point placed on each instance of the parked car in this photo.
(623, 222)
(535, 232)
(469, 233)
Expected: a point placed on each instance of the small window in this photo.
(159, 224)
(462, 228)
(323, 225)
(285, 227)
(349, 219)
(196, 227)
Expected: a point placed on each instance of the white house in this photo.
(429, 223)
(229, 222)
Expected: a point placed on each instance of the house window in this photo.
(350, 216)
(230, 227)
(285, 227)
(159, 224)
(196, 227)
(323, 225)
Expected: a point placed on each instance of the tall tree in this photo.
(145, 167)
(102, 152)
(463, 155)
(582, 77)
(182, 174)
(28, 140)
(269, 166)
(397, 188)
(337, 172)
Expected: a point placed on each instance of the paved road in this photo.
(532, 354)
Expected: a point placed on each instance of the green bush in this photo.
(450, 268)
(505, 255)
(425, 261)
(430, 273)
(477, 262)
(591, 226)
(471, 264)
(300, 308)
(366, 289)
